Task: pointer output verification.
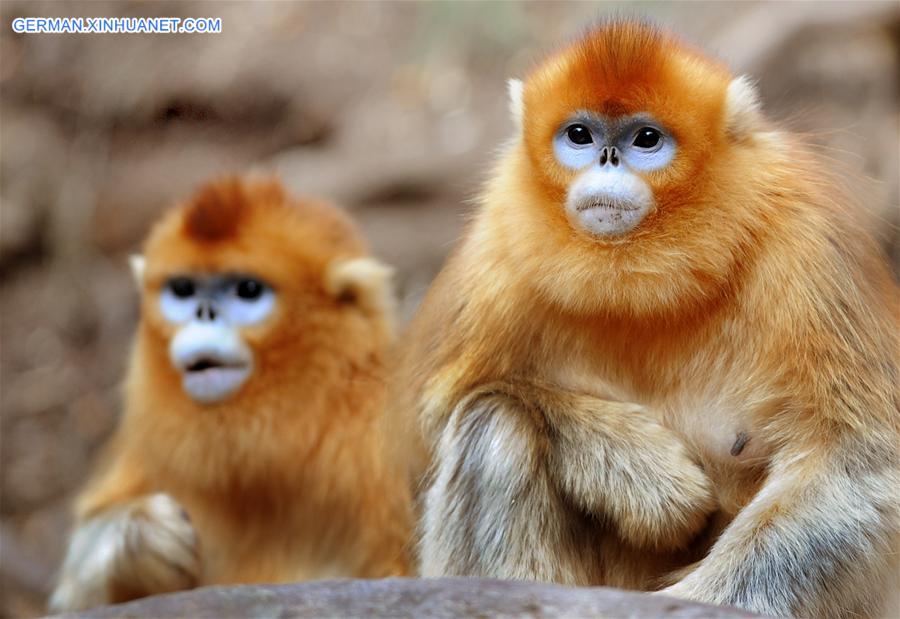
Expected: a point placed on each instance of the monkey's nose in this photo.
(609, 154)
(206, 311)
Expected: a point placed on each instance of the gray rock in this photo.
(410, 597)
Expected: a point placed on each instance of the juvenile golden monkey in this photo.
(251, 448)
(656, 273)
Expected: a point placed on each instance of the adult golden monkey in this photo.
(655, 270)
(250, 449)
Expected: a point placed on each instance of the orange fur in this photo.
(286, 480)
(751, 300)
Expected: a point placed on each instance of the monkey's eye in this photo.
(249, 289)
(579, 134)
(182, 287)
(647, 137)
(247, 301)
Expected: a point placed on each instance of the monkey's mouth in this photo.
(211, 360)
(209, 379)
(202, 365)
(604, 215)
(605, 204)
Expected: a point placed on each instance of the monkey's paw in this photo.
(145, 547)
(667, 498)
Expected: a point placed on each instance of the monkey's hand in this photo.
(511, 450)
(816, 541)
(612, 458)
(143, 547)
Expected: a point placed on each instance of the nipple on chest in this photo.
(739, 443)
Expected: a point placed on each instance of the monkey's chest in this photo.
(729, 441)
(724, 433)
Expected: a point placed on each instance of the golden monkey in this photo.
(251, 446)
(657, 274)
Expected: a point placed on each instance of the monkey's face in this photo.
(632, 175)
(247, 294)
(618, 132)
(609, 197)
(208, 314)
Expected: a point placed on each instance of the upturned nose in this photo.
(610, 155)
(206, 310)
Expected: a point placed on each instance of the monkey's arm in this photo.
(611, 458)
(515, 462)
(814, 542)
(127, 543)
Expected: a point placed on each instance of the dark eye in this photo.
(579, 134)
(182, 287)
(647, 137)
(249, 289)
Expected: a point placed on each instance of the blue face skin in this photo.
(235, 300)
(641, 143)
(208, 348)
(609, 198)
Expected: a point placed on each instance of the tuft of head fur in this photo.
(250, 224)
(215, 213)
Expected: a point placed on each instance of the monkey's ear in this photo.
(516, 107)
(137, 263)
(743, 110)
(365, 282)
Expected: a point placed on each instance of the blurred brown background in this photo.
(392, 109)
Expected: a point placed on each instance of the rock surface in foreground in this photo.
(408, 597)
